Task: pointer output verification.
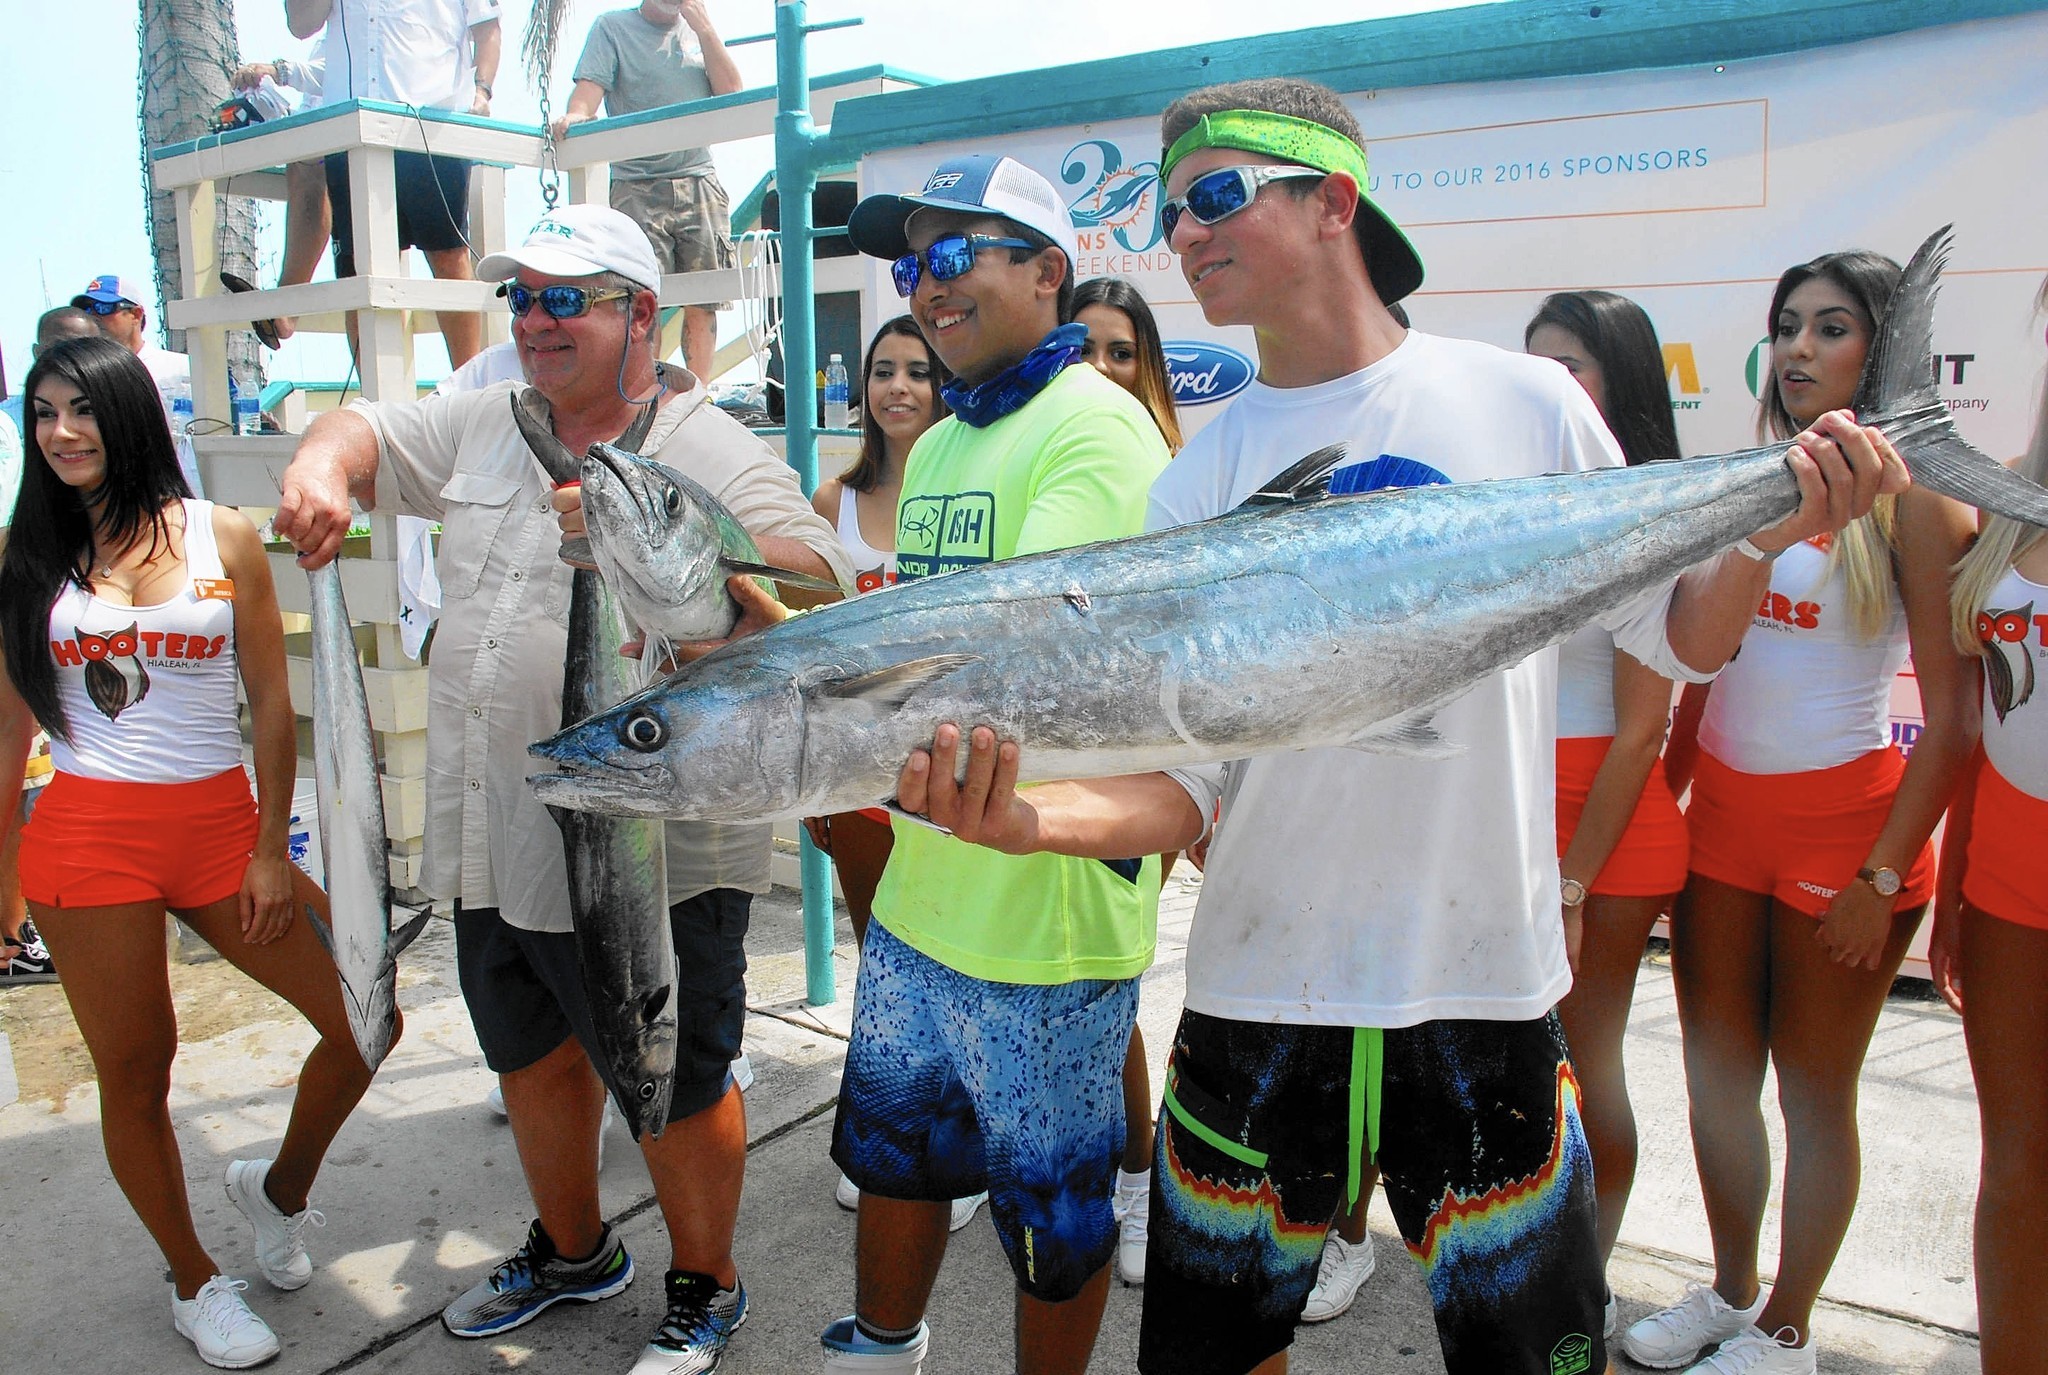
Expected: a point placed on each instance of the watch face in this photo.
(1886, 881)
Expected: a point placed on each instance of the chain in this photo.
(156, 262)
(542, 35)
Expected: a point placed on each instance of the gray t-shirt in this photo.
(624, 54)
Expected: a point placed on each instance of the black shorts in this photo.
(1475, 1126)
(525, 995)
(433, 204)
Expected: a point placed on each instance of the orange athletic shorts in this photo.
(1799, 837)
(1649, 860)
(2006, 829)
(94, 842)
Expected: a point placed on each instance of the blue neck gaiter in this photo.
(984, 404)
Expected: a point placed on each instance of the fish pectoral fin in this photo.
(786, 576)
(894, 685)
(576, 550)
(320, 929)
(408, 933)
(1413, 736)
(893, 809)
(1305, 480)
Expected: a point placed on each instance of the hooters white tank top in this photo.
(149, 691)
(2014, 628)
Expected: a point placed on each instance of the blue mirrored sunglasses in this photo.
(106, 307)
(560, 302)
(950, 257)
(1222, 193)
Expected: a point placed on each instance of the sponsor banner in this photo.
(1687, 189)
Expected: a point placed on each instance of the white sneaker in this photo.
(1752, 1353)
(846, 1193)
(1132, 1205)
(1675, 1336)
(849, 1352)
(220, 1325)
(964, 1210)
(495, 1101)
(280, 1238)
(1607, 1322)
(743, 1072)
(1344, 1267)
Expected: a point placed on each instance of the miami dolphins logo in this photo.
(114, 676)
(1113, 196)
(2008, 659)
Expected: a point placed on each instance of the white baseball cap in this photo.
(978, 184)
(579, 241)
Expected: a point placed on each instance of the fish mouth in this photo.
(598, 456)
(589, 785)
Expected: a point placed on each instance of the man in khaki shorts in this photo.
(663, 52)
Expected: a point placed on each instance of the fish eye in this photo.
(644, 731)
(675, 501)
(647, 1090)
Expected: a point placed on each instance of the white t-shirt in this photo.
(1805, 693)
(409, 52)
(1585, 685)
(1347, 888)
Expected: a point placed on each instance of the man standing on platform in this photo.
(664, 52)
(583, 299)
(432, 55)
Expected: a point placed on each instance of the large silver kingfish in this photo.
(357, 931)
(1300, 620)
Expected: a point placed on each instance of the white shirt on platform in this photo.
(1346, 888)
(409, 52)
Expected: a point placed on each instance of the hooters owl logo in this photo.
(114, 676)
(2008, 659)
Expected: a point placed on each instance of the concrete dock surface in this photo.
(422, 1194)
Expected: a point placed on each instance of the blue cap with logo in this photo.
(107, 288)
(979, 184)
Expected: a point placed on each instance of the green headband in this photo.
(1281, 136)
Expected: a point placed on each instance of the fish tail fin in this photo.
(408, 933)
(1897, 395)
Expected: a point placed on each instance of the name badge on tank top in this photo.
(214, 589)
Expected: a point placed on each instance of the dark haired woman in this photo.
(130, 612)
(1810, 865)
(900, 381)
(1621, 841)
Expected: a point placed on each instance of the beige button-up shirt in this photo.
(495, 678)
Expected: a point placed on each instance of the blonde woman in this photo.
(1990, 950)
(1810, 865)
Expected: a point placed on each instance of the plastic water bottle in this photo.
(243, 405)
(836, 408)
(181, 408)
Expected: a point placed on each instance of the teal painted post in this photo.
(796, 174)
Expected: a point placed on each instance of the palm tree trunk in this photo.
(188, 52)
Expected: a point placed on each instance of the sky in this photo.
(72, 143)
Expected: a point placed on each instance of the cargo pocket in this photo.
(475, 506)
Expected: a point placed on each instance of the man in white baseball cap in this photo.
(582, 289)
(968, 950)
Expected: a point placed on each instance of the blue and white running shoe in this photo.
(534, 1277)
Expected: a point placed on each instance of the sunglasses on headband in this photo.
(947, 258)
(1222, 193)
(107, 307)
(560, 302)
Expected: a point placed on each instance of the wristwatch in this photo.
(1884, 879)
(1574, 892)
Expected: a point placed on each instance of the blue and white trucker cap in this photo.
(978, 184)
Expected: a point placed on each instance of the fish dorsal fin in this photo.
(1413, 736)
(577, 553)
(530, 413)
(410, 932)
(1306, 480)
(896, 684)
(895, 808)
(1896, 374)
(787, 577)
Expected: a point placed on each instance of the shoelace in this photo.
(1745, 1351)
(1697, 1306)
(220, 1303)
(519, 1266)
(688, 1320)
(295, 1227)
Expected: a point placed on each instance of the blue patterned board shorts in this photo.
(954, 1084)
(1475, 1126)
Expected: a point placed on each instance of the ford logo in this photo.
(1202, 373)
